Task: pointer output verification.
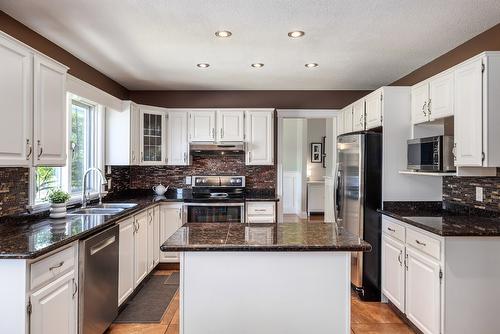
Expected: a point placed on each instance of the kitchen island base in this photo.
(265, 292)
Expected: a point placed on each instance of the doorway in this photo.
(306, 159)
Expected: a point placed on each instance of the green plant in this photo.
(57, 196)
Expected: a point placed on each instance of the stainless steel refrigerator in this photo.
(358, 196)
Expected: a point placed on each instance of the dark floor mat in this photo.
(150, 303)
(173, 279)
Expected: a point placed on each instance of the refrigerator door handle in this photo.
(335, 186)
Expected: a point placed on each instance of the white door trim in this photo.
(295, 113)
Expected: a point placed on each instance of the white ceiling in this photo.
(156, 44)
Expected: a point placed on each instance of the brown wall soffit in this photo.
(77, 67)
(486, 41)
(307, 99)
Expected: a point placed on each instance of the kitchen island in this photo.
(264, 278)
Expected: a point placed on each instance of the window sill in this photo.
(73, 201)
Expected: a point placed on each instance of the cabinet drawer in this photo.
(261, 219)
(52, 267)
(393, 229)
(423, 243)
(260, 208)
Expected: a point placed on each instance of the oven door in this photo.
(424, 154)
(214, 213)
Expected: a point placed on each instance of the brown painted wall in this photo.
(77, 67)
(486, 41)
(307, 99)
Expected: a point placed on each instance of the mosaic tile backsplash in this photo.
(145, 177)
(14, 190)
(462, 190)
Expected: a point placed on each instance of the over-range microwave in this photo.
(431, 154)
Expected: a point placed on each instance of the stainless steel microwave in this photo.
(431, 154)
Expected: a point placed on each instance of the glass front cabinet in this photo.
(153, 137)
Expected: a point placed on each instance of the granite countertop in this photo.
(30, 236)
(445, 222)
(289, 237)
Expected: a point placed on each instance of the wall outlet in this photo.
(188, 180)
(479, 194)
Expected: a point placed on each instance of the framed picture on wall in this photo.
(316, 152)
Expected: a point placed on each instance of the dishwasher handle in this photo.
(103, 244)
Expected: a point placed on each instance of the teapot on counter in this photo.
(160, 189)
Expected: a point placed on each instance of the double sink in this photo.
(107, 209)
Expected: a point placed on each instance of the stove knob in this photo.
(232, 181)
(238, 180)
(204, 181)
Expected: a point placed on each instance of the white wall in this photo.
(292, 145)
(316, 130)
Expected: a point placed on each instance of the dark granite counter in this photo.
(30, 236)
(450, 221)
(289, 237)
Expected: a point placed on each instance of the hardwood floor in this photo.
(366, 318)
(296, 219)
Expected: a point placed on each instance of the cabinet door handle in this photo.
(185, 157)
(75, 288)
(399, 258)
(30, 149)
(391, 229)
(133, 156)
(59, 265)
(180, 214)
(423, 108)
(40, 150)
(454, 151)
(222, 133)
(213, 133)
(420, 242)
(260, 210)
(429, 107)
(142, 156)
(406, 262)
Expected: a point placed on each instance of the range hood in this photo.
(208, 149)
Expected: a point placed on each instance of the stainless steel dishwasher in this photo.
(98, 271)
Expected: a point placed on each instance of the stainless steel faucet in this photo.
(84, 185)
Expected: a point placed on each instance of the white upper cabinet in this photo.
(441, 96)
(419, 102)
(373, 108)
(469, 114)
(260, 137)
(202, 126)
(477, 105)
(16, 71)
(153, 126)
(50, 110)
(347, 119)
(358, 115)
(33, 107)
(177, 143)
(231, 125)
(122, 135)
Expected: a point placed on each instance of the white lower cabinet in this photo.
(54, 307)
(260, 212)
(141, 247)
(393, 271)
(153, 238)
(170, 221)
(423, 291)
(411, 276)
(126, 259)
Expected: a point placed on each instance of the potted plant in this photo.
(58, 199)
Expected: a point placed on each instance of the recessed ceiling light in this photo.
(311, 65)
(296, 34)
(203, 65)
(258, 65)
(223, 33)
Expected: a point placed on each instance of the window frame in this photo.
(97, 138)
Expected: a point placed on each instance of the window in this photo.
(84, 151)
